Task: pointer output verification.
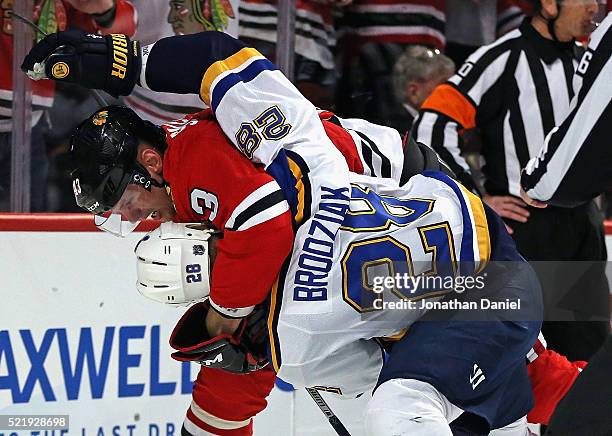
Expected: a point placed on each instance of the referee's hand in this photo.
(508, 206)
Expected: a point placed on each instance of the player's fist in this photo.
(241, 353)
(107, 62)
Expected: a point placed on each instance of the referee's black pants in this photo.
(568, 247)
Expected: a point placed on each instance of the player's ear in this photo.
(151, 159)
(549, 8)
(412, 91)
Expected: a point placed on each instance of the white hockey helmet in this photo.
(173, 263)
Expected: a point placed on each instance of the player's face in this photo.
(137, 204)
(576, 19)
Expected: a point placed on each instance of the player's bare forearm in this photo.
(217, 324)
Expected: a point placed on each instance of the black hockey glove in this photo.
(242, 352)
(107, 62)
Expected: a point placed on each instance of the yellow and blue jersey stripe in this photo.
(292, 174)
(242, 66)
(475, 250)
(275, 304)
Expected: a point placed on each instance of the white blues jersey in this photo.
(325, 315)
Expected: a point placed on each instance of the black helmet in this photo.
(103, 152)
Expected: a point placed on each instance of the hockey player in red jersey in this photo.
(190, 173)
(211, 166)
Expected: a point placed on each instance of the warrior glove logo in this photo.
(120, 55)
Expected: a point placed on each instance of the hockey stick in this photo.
(29, 23)
(96, 94)
(332, 418)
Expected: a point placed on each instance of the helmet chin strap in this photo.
(550, 22)
(551, 28)
(142, 178)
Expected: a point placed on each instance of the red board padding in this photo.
(82, 222)
(57, 222)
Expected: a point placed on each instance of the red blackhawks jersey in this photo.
(201, 156)
(297, 159)
(315, 37)
(257, 235)
(211, 181)
(397, 21)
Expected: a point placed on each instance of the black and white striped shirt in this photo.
(515, 91)
(575, 163)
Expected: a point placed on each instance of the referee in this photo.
(575, 166)
(515, 91)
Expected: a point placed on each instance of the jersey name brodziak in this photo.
(317, 250)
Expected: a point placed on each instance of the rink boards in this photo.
(77, 339)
